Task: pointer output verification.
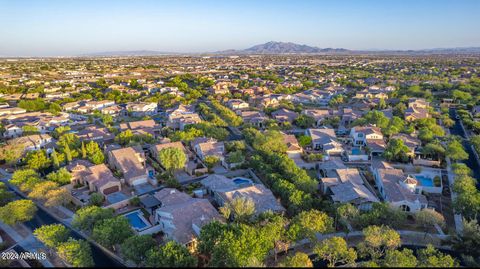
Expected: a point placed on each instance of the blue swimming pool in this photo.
(135, 221)
(425, 181)
(240, 180)
(356, 151)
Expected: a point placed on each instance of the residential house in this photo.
(223, 87)
(369, 136)
(294, 150)
(235, 104)
(181, 116)
(100, 135)
(11, 111)
(410, 141)
(98, 178)
(32, 142)
(225, 190)
(256, 118)
(284, 115)
(114, 110)
(396, 189)
(209, 147)
(142, 127)
(360, 134)
(417, 109)
(326, 140)
(141, 109)
(130, 162)
(181, 217)
(318, 114)
(347, 186)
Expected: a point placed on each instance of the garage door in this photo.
(110, 190)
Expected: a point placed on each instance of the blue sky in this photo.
(71, 27)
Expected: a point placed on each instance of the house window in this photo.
(405, 208)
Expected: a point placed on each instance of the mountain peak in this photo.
(276, 47)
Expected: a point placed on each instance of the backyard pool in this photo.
(137, 221)
(356, 151)
(424, 181)
(241, 180)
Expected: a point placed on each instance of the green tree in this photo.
(425, 134)
(52, 235)
(77, 253)
(308, 223)
(62, 176)
(5, 194)
(55, 161)
(68, 153)
(94, 153)
(396, 151)
(397, 258)
(60, 131)
(57, 197)
(11, 153)
(304, 121)
(242, 208)
(431, 257)
(41, 189)
(107, 120)
(25, 179)
(304, 140)
(171, 254)
(96, 199)
(378, 239)
(37, 160)
(347, 213)
(112, 231)
(434, 149)
(461, 169)
(466, 243)
(86, 217)
(84, 151)
(455, 151)
(135, 248)
(124, 137)
(172, 158)
(428, 218)
(30, 130)
(335, 250)
(211, 161)
(382, 214)
(17, 211)
(299, 259)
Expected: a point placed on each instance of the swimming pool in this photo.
(424, 181)
(136, 221)
(241, 180)
(356, 151)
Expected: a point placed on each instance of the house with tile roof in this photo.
(224, 190)
(131, 163)
(181, 217)
(398, 189)
(347, 186)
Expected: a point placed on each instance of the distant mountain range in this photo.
(274, 47)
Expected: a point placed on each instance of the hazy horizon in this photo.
(71, 28)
